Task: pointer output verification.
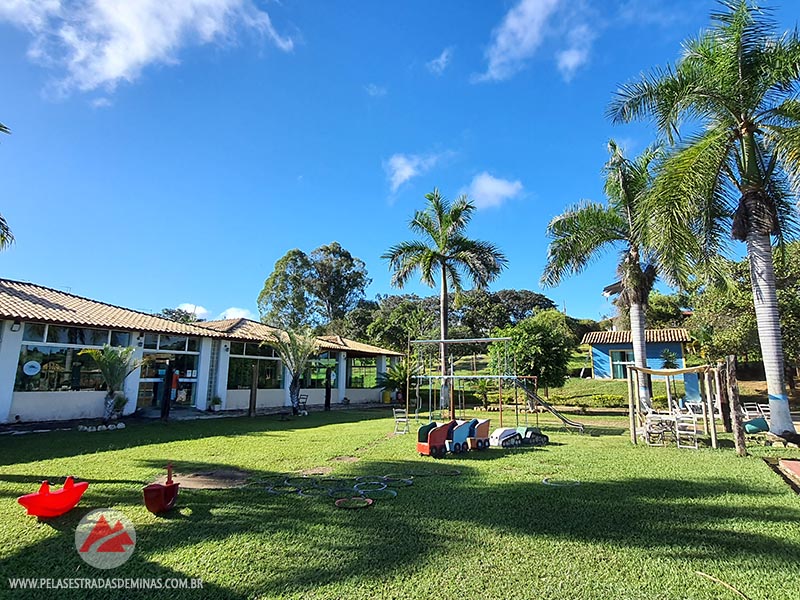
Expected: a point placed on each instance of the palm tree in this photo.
(6, 237)
(445, 251)
(588, 229)
(739, 81)
(114, 364)
(295, 349)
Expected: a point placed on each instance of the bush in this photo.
(609, 401)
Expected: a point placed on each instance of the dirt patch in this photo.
(222, 479)
(346, 459)
(317, 471)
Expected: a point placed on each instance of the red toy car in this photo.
(432, 437)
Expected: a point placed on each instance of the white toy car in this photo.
(505, 437)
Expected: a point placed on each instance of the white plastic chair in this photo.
(400, 420)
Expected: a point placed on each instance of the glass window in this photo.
(193, 345)
(256, 349)
(50, 369)
(120, 338)
(172, 342)
(34, 332)
(240, 374)
(314, 377)
(362, 373)
(151, 341)
(79, 336)
(155, 365)
(237, 348)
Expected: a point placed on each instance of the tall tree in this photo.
(739, 80)
(446, 251)
(338, 281)
(588, 229)
(6, 237)
(285, 300)
(311, 290)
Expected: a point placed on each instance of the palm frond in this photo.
(683, 221)
(4, 129)
(6, 237)
(481, 261)
(294, 348)
(406, 258)
(579, 236)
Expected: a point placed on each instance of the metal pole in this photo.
(631, 408)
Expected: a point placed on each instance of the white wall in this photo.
(10, 342)
(57, 406)
(223, 357)
(131, 387)
(363, 395)
(240, 399)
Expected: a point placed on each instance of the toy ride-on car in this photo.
(532, 436)
(458, 443)
(432, 438)
(505, 437)
(479, 435)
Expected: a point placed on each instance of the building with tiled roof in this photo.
(612, 351)
(44, 376)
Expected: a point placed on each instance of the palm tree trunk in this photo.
(639, 348)
(294, 393)
(442, 346)
(762, 276)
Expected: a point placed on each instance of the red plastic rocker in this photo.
(47, 504)
(160, 497)
(435, 438)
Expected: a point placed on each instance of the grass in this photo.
(640, 524)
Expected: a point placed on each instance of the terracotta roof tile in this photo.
(31, 302)
(244, 329)
(651, 336)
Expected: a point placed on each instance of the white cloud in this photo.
(201, 312)
(517, 38)
(100, 43)
(100, 103)
(374, 90)
(402, 167)
(579, 43)
(237, 313)
(439, 64)
(487, 191)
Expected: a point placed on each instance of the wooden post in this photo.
(631, 408)
(711, 413)
(669, 394)
(736, 409)
(251, 409)
(722, 395)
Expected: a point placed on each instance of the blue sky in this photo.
(172, 152)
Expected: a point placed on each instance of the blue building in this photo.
(611, 351)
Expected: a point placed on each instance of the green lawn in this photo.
(640, 524)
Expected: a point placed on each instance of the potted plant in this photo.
(216, 404)
(395, 379)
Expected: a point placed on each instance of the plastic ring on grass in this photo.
(448, 473)
(341, 493)
(393, 482)
(369, 478)
(301, 482)
(357, 502)
(560, 482)
(362, 487)
(282, 489)
(334, 483)
(379, 494)
(313, 492)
